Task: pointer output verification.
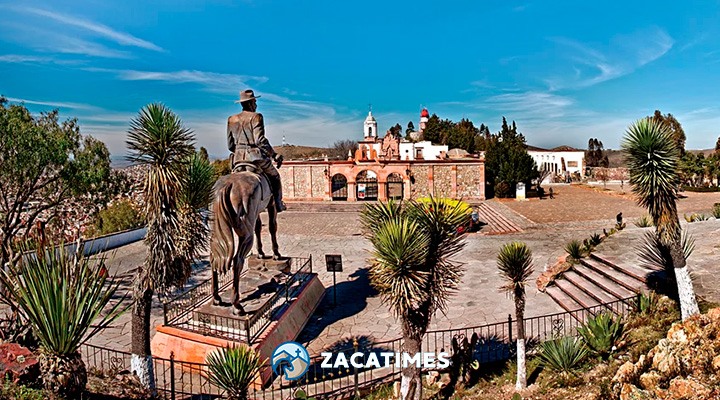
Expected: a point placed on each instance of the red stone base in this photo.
(193, 347)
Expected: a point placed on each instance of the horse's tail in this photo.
(222, 243)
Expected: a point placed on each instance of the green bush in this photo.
(502, 190)
(234, 369)
(562, 355)
(595, 239)
(117, 217)
(702, 189)
(644, 222)
(694, 217)
(603, 334)
(646, 304)
(575, 249)
(716, 211)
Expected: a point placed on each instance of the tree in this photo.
(676, 131)
(595, 156)
(462, 136)
(410, 129)
(482, 138)
(158, 139)
(44, 164)
(515, 264)
(433, 130)
(341, 148)
(652, 156)
(412, 266)
(395, 130)
(507, 160)
(204, 154)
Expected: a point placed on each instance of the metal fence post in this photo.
(355, 371)
(510, 327)
(165, 313)
(247, 330)
(172, 375)
(311, 263)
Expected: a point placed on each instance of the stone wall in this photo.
(442, 181)
(319, 182)
(470, 182)
(286, 178)
(420, 187)
(301, 181)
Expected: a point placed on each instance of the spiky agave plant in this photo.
(515, 264)
(652, 158)
(603, 334)
(63, 296)
(234, 369)
(562, 355)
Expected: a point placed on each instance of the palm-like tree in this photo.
(516, 266)
(412, 266)
(653, 164)
(62, 295)
(173, 192)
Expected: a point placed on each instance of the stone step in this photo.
(628, 281)
(599, 280)
(635, 271)
(565, 301)
(576, 293)
(586, 285)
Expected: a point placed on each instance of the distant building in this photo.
(387, 168)
(564, 161)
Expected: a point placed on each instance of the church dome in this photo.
(424, 113)
(370, 117)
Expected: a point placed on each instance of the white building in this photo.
(563, 160)
(404, 150)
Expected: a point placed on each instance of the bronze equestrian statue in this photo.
(253, 185)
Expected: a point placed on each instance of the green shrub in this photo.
(603, 334)
(644, 222)
(645, 304)
(694, 217)
(234, 368)
(702, 189)
(716, 211)
(117, 217)
(502, 190)
(595, 239)
(562, 355)
(575, 249)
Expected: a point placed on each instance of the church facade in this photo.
(387, 168)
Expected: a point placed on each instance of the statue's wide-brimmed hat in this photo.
(246, 95)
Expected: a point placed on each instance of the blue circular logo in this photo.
(290, 359)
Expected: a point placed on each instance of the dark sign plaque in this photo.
(333, 262)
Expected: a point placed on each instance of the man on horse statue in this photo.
(248, 144)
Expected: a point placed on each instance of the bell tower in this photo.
(370, 128)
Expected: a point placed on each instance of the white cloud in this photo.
(54, 104)
(30, 59)
(211, 81)
(105, 31)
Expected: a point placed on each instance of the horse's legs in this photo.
(258, 238)
(272, 227)
(243, 250)
(217, 300)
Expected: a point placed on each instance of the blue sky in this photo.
(565, 71)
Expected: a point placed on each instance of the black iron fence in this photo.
(183, 380)
(182, 311)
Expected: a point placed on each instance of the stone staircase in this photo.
(599, 279)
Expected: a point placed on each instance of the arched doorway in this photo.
(367, 186)
(339, 187)
(395, 187)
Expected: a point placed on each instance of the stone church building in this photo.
(387, 168)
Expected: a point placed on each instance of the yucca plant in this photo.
(644, 222)
(515, 264)
(412, 266)
(603, 334)
(657, 255)
(562, 355)
(63, 296)
(575, 249)
(158, 140)
(595, 239)
(694, 217)
(652, 158)
(234, 369)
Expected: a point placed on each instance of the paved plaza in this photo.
(360, 312)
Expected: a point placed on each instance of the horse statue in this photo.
(240, 197)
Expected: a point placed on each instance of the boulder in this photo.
(686, 389)
(18, 364)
